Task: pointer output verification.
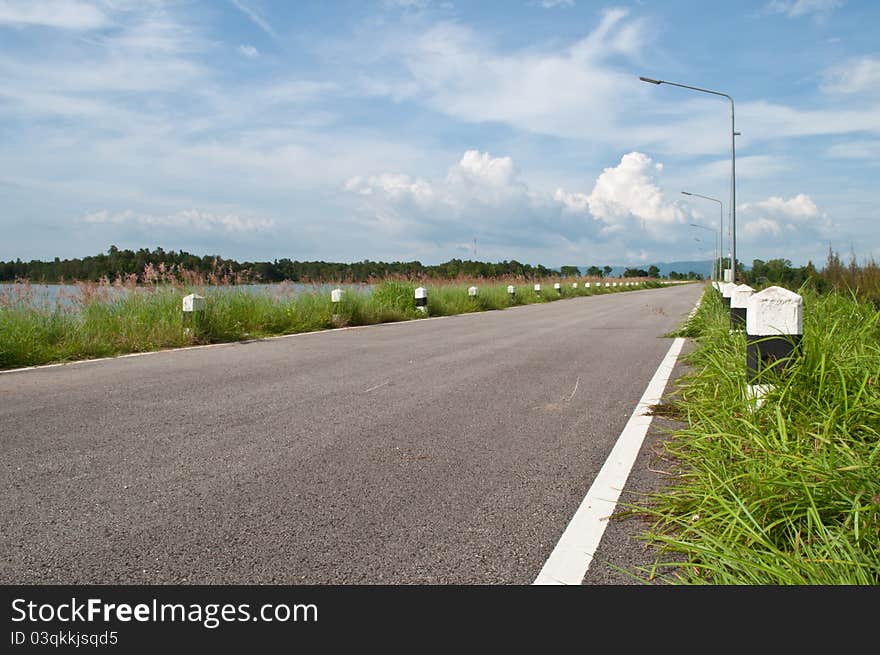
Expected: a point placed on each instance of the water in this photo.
(63, 296)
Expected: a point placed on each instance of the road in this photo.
(441, 451)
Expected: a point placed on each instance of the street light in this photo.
(715, 252)
(720, 223)
(733, 135)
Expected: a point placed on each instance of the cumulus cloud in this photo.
(486, 195)
(190, 219)
(799, 207)
(248, 51)
(629, 193)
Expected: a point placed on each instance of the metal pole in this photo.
(733, 134)
(720, 277)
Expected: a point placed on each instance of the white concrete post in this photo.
(607, 284)
(574, 285)
(472, 292)
(726, 290)
(558, 287)
(511, 291)
(586, 285)
(336, 298)
(537, 289)
(193, 307)
(422, 299)
(739, 299)
(774, 329)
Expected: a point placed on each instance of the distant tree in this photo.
(570, 271)
(635, 272)
(606, 270)
(594, 271)
(653, 271)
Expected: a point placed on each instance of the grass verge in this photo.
(787, 493)
(107, 320)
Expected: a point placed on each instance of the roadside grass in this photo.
(107, 319)
(787, 493)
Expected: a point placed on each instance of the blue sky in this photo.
(415, 129)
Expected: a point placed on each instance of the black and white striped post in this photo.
(574, 285)
(774, 329)
(511, 291)
(739, 299)
(537, 289)
(336, 298)
(422, 299)
(558, 288)
(472, 293)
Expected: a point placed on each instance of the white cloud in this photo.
(855, 75)
(867, 149)
(760, 227)
(255, 17)
(406, 4)
(551, 4)
(630, 191)
(798, 8)
(748, 167)
(190, 219)
(486, 195)
(456, 71)
(798, 207)
(62, 14)
(248, 51)
(790, 224)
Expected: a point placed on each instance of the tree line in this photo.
(123, 263)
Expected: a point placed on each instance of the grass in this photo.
(787, 493)
(126, 316)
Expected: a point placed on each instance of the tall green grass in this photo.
(787, 492)
(148, 317)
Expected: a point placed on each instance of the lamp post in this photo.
(715, 264)
(733, 134)
(720, 223)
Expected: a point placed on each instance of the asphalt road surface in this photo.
(447, 451)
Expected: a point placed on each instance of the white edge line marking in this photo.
(573, 554)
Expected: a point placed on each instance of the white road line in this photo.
(377, 386)
(573, 554)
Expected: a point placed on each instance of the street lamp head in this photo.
(648, 79)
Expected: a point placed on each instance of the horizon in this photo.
(421, 130)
